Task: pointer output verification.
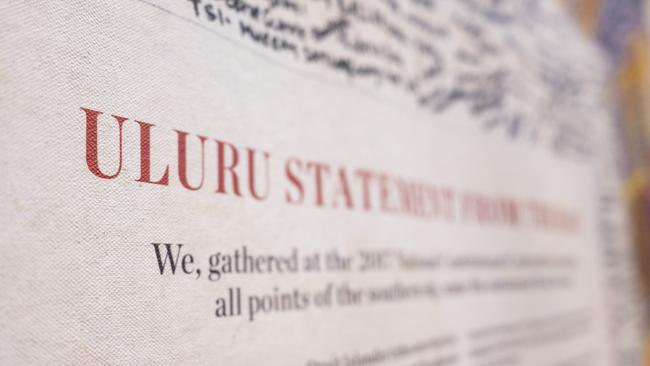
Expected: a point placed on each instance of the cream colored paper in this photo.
(507, 108)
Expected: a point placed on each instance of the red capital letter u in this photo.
(91, 143)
